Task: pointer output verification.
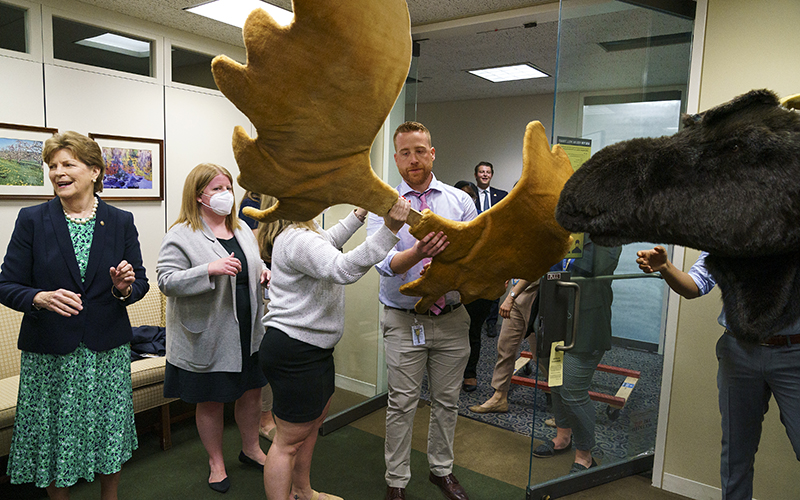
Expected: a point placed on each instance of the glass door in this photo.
(622, 73)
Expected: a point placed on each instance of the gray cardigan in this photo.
(202, 328)
(309, 272)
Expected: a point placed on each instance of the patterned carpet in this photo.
(631, 433)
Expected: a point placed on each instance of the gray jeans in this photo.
(571, 404)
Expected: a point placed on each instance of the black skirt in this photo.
(302, 376)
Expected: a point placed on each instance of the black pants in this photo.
(478, 310)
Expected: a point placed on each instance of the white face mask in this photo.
(220, 203)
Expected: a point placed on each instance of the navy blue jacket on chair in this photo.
(40, 257)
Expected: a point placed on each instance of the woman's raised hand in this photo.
(396, 217)
(122, 277)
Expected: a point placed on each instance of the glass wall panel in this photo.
(622, 73)
(192, 68)
(12, 28)
(95, 46)
(619, 71)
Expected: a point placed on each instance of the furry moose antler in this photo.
(319, 90)
(523, 222)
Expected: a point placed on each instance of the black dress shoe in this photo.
(576, 467)
(470, 384)
(221, 486)
(395, 493)
(249, 461)
(449, 486)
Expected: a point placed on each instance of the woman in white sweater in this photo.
(304, 323)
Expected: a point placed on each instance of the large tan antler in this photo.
(318, 92)
(518, 238)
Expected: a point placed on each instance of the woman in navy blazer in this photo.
(72, 266)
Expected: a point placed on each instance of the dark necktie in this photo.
(485, 200)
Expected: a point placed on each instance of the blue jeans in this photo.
(572, 407)
(749, 374)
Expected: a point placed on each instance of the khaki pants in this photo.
(444, 355)
(512, 332)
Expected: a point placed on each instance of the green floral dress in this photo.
(75, 411)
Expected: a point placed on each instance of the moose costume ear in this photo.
(791, 102)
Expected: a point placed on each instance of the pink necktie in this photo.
(438, 306)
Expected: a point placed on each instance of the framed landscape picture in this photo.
(23, 175)
(134, 167)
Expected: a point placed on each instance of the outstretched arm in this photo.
(656, 260)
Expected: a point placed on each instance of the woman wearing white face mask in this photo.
(210, 269)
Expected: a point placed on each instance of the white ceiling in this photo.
(457, 35)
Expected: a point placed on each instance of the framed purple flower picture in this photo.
(134, 167)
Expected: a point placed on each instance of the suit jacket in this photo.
(202, 327)
(40, 257)
(495, 196)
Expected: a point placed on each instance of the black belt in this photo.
(446, 309)
(782, 340)
(778, 340)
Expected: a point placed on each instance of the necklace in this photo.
(83, 220)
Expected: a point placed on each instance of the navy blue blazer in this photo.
(40, 257)
(495, 194)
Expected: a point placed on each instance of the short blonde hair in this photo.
(82, 148)
(194, 185)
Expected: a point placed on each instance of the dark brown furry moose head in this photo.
(728, 183)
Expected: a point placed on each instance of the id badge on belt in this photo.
(417, 333)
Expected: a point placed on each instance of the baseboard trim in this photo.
(634, 344)
(354, 385)
(573, 483)
(689, 488)
(334, 422)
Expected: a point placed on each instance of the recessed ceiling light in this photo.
(117, 43)
(510, 73)
(235, 12)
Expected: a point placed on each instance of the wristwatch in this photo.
(513, 295)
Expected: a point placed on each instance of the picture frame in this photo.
(23, 174)
(134, 167)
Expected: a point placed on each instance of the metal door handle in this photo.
(576, 308)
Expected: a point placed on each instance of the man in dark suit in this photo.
(481, 310)
(487, 196)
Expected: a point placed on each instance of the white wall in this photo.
(467, 132)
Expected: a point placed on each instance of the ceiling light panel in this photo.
(117, 43)
(235, 12)
(509, 73)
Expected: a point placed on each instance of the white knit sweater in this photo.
(309, 272)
